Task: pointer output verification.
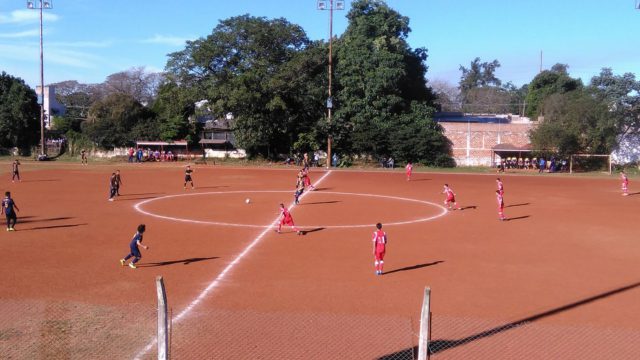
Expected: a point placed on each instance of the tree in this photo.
(478, 75)
(237, 69)
(419, 139)
(575, 122)
(482, 92)
(19, 114)
(448, 95)
(379, 77)
(174, 106)
(119, 120)
(136, 82)
(546, 83)
(622, 95)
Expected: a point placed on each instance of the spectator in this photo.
(390, 163)
(541, 165)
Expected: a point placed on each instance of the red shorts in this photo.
(379, 255)
(451, 199)
(307, 181)
(287, 221)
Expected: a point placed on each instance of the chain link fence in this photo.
(66, 330)
(225, 334)
(458, 338)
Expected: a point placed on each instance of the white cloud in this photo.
(27, 16)
(166, 40)
(21, 34)
(30, 53)
(83, 44)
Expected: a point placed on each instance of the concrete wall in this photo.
(472, 142)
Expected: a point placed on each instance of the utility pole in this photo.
(322, 5)
(41, 5)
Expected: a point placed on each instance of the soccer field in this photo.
(557, 280)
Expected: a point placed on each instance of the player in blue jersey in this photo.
(9, 209)
(134, 249)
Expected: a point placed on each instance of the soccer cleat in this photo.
(299, 232)
(110, 199)
(132, 265)
(8, 229)
(121, 262)
(12, 229)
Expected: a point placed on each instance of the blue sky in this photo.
(86, 40)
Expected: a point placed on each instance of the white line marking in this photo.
(443, 210)
(213, 284)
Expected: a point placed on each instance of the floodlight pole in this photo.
(322, 6)
(41, 5)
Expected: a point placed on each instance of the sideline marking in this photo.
(138, 207)
(213, 284)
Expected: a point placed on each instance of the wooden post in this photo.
(163, 333)
(425, 326)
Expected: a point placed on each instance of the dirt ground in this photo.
(564, 263)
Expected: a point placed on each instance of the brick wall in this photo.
(472, 142)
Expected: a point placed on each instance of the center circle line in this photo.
(139, 207)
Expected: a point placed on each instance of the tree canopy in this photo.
(19, 114)
(381, 87)
(546, 83)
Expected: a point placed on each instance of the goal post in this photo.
(590, 162)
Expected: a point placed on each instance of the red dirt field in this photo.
(558, 280)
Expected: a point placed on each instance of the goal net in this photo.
(590, 163)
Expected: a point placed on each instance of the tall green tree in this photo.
(575, 122)
(478, 75)
(119, 120)
(379, 78)
(622, 95)
(546, 83)
(174, 106)
(19, 114)
(237, 68)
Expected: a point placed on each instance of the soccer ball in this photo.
(247, 200)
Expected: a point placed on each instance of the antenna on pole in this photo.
(540, 60)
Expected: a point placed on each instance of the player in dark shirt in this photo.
(187, 177)
(113, 185)
(118, 182)
(134, 251)
(9, 209)
(15, 171)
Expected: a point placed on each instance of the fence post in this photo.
(425, 326)
(163, 333)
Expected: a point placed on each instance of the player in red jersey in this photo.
(451, 198)
(409, 169)
(379, 248)
(307, 180)
(500, 199)
(287, 219)
(500, 186)
(625, 183)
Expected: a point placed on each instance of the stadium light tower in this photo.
(330, 5)
(41, 5)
